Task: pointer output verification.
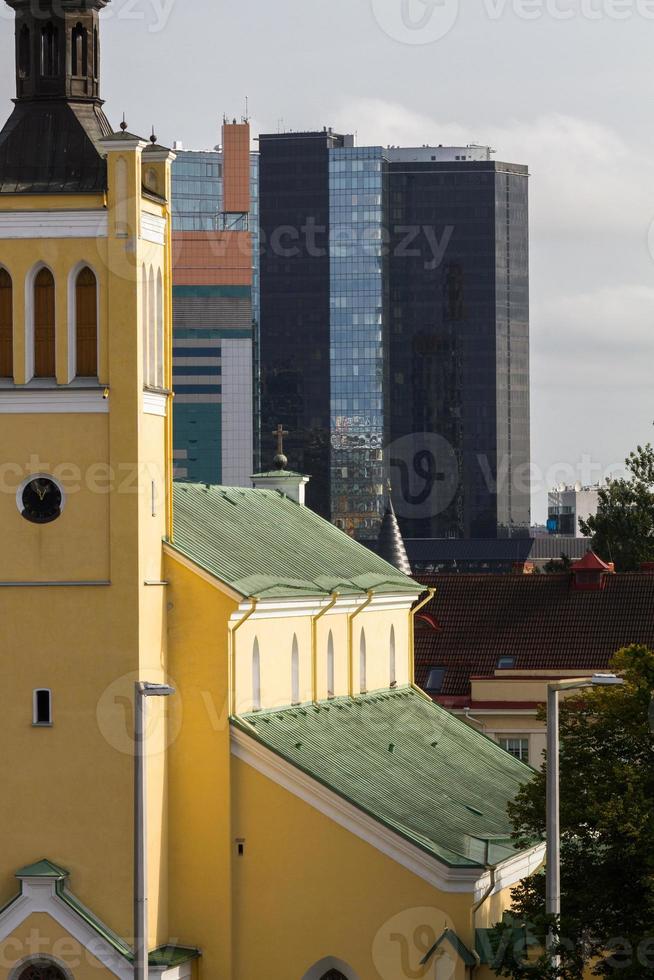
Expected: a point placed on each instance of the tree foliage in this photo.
(623, 528)
(607, 836)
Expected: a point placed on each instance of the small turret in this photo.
(390, 544)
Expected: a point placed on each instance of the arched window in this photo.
(86, 324)
(6, 326)
(330, 665)
(159, 380)
(362, 663)
(333, 975)
(24, 52)
(392, 671)
(41, 970)
(295, 672)
(44, 325)
(256, 677)
(49, 50)
(79, 50)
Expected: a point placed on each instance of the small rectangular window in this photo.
(435, 680)
(505, 663)
(42, 707)
(517, 747)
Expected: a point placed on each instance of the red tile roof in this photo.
(541, 620)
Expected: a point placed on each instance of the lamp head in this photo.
(149, 690)
(606, 680)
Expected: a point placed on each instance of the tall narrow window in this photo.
(24, 52)
(96, 53)
(256, 677)
(144, 323)
(363, 681)
(49, 50)
(6, 326)
(393, 672)
(44, 325)
(330, 665)
(152, 319)
(295, 672)
(79, 50)
(86, 324)
(159, 380)
(42, 707)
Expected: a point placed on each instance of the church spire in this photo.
(390, 544)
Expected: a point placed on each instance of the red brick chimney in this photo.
(589, 574)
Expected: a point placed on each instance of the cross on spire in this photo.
(279, 433)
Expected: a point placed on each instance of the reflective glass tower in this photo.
(395, 331)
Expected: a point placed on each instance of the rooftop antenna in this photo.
(247, 110)
(123, 124)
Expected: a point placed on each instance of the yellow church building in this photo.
(311, 815)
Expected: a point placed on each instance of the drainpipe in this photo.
(477, 721)
(314, 644)
(232, 654)
(412, 639)
(350, 619)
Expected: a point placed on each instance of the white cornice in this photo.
(53, 224)
(430, 869)
(155, 403)
(282, 608)
(53, 401)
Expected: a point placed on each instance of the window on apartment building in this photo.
(435, 680)
(506, 663)
(517, 747)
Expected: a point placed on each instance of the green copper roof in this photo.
(261, 543)
(409, 764)
(42, 869)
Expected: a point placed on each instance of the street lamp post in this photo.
(553, 845)
(142, 690)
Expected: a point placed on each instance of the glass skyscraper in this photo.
(395, 331)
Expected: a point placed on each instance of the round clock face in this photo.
(40, 500)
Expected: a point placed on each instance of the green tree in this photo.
(623, 528)
(607, 837)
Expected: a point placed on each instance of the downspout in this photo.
(412, 641)
(232, 654)
(314, 644)
(350, 619)
(477, 721)
(492, 871)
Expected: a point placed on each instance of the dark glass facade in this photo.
(395, 339)
(295, 308)
(459, 349)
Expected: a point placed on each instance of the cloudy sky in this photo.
(562, 85)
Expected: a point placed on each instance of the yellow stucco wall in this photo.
(67, 790)
(365, 908)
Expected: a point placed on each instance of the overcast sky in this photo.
(565, 86)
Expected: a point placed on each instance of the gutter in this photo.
(232, 629)
(412, 638)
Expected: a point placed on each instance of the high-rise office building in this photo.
(395, 331)
(215, 309)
